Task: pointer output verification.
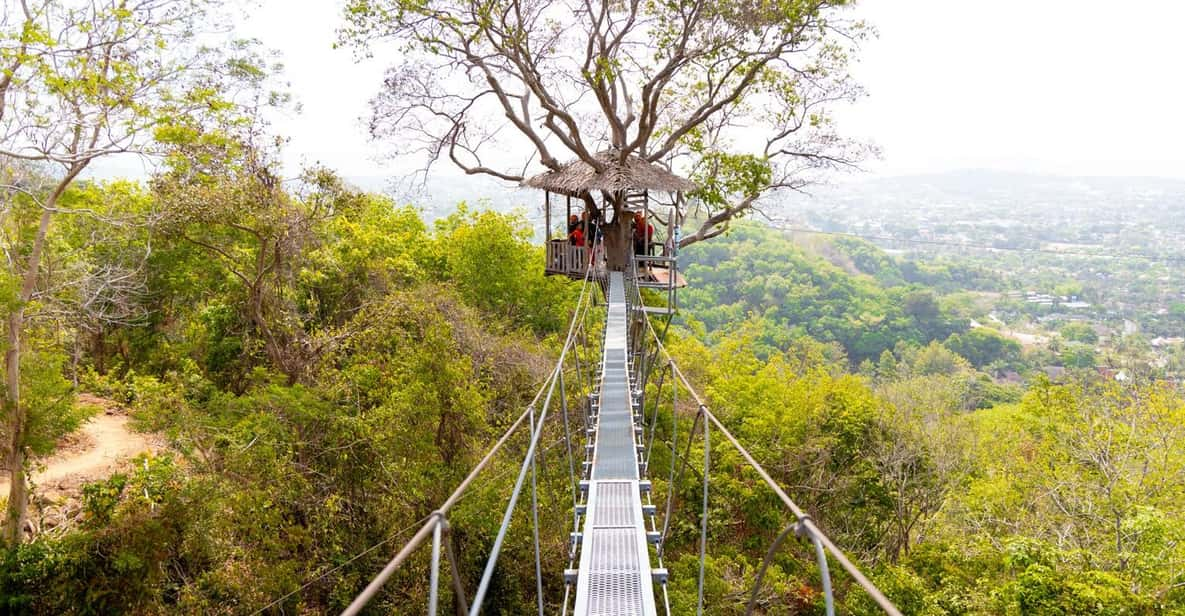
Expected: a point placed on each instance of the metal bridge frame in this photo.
(615, 576)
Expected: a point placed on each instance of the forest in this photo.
(322, 365)
(405, 348)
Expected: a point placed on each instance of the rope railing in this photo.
(436, 525)
(804, 525)
(435, 529)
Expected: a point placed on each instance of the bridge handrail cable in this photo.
(438, 519)
(804, 525)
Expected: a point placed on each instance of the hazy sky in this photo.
(1066, 86)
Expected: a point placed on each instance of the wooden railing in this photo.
(564, 258)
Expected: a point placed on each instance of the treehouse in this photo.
(591, 201)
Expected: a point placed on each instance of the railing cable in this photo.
(428, 528)
(807, 525)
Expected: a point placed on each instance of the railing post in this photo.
(434, 574)
(801, 529)
(703, 525)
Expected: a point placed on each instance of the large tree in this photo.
(80, 81)
(734, 94)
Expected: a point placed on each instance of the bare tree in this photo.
(736, 95)
(920, 453)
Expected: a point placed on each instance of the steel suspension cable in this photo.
(508, 514)
(568, 446)
(654, 421)
(428, 527)
(528, 462)
(807, 524)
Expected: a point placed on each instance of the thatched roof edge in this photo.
(635, 173)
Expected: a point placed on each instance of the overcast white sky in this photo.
(1085, 87)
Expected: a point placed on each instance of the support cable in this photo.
(537, 428)
(427, 529)
(568, 446)
(703, 524)
(769, 556)
(654, 420)
(809, 528)
(686, 460)
(824, 573)
(434, 571)
(458, 587)
(508, 514)
(666, 518)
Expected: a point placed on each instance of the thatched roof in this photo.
(634, 174)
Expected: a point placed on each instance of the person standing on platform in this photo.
(643, 234)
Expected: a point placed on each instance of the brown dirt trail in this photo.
(102, 446)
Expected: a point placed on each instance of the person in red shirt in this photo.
(575, 232)
(643, 234)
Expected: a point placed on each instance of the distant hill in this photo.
(1020, 191)
(444, 190)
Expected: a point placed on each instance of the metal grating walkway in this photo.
(614, 577)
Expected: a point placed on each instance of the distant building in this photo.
(1055, 373)
(1009, 377)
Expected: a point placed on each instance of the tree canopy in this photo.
(689, 83)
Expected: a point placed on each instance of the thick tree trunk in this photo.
(15, 411)
(618, 244)
(617, 233)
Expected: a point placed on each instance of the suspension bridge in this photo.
(616, 548)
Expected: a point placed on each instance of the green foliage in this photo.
(49, 399)
(426, 344)
(756, 271)
(1079, 332)
(870, 260)
(490, 259)
(1078, 355)
(368, 248)
(723, 178)
(407, 349)
(982, 347)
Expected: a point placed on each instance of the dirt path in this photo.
(100, 447)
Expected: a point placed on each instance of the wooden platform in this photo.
(661, 276)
